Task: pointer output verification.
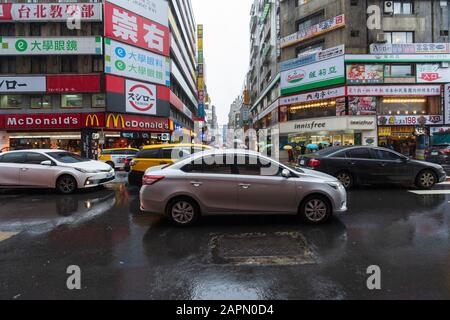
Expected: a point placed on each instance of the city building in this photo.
(89, 74)
(358, 72)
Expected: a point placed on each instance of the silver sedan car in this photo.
(239, 181)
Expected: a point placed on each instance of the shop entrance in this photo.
(65, 141)
(399, 138)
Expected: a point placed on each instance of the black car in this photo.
(440, 154)
(373, 165)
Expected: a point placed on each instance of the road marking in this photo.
(429, 192)
(6, 235)
(444, 183)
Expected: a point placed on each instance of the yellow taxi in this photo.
(117, 157)
(157, 155)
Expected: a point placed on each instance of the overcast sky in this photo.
(226, 48)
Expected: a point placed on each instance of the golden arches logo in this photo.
(115, 121)
(92, 121)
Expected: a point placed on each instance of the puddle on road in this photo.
(287, 248)
(6, 235)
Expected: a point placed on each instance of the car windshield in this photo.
(67, 157)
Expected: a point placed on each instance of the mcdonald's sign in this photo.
(93, 120)
(112, 121)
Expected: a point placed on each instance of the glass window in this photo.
(14, 157)
(98, 100)
(386, 155)
(41, 102)
(256, 166)
(403, 7)
(67, 157)
(209, 165)
(35, 158)
(13, 101)
(149, 154)
(405, 70)
(400, 37)
(69, 64)
(72, 101)
(39, 64)
(359, 153)
(8, 64)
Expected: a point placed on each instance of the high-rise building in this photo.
(89, 74)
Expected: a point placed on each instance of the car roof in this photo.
(35, 150)
(116, 149)
(170, 145)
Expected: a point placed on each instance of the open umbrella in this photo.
(325, 143)
(312, 146)
(288, 147)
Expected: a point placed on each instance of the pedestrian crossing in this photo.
(6, 235)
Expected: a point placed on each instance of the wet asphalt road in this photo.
(124, 254)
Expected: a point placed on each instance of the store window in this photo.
(398, 70)
(409, 105)
(41, 102)
(98, 100)
(72, 101)
(310, 20)
(13, 101)
(312, 110)
(403, 7)
(400, 37)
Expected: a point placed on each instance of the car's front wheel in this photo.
(426, 180)
(183, 212)
(315, 209)
(66, 184)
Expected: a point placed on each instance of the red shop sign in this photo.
(42, 121)
(126, 26)
(127, 122)
(73, 83)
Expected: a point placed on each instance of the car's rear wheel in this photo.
(345, 178)
(183, 212)
(66, 184)
(315, 209)
(426, 179)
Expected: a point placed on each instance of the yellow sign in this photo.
(92, 119)
(384, 131)
(115, 121)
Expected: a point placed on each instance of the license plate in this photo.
(434, 153)
(302, 162)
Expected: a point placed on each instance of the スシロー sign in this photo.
(53, 12)
(131, 62)
(155, 10)
(22, 84)
(127, 122)
(50, 45)
(129, 27)
(140, 97)
(325, 73)
(131, 96)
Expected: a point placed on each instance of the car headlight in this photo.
(335, 184)
(85, 171)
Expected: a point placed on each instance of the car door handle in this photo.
(196, 183)
(244, 185)
(352, 163)
(24, 169)
(383, 164)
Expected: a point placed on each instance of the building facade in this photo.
(361, 72)
(87, 74)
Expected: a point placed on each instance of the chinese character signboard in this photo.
(309, 58)
(73, 83)
(432, 73)
(129, 27)
(22, 84)
(396, 58)
(313, 31)
(314, 96)
(130, 96)
(410, 120)
(365, 73)
(362, 106)
(200, 74)
(394, 90)
(131, 62)
(50, 45)
(325, 73)
(53, 12)
(409, 48)
(155, 10)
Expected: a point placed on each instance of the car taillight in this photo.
(446, 151)
(314, 163)
(149, 180)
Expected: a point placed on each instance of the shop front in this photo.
(82, 133)
(331, 131)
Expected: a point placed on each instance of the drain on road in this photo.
(287, 248)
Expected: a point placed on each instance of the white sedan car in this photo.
(51, 168)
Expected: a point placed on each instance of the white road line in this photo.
(429, 192)
(6, 235)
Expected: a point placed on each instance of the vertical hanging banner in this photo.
(447, 104)
(200, 73)
(126, 26)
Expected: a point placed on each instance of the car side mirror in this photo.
(47, 163)
(286, 173)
